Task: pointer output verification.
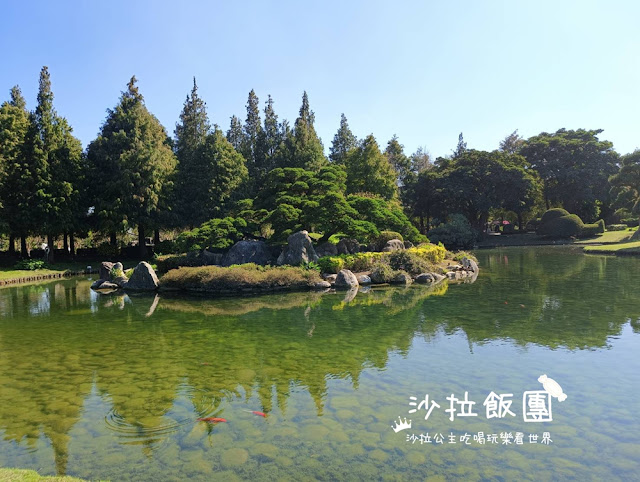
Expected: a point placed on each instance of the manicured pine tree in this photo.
(131, 161)
(14, 122)
(368, 170)
(343, 142)
(190, 134)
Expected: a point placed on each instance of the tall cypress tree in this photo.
(302, 147)
(14, 122)
(368, 170)
(235, 134)
(190, 134)
(400, 162)
(132, 160)
(269, 139)
(252, 129)
(343, 142)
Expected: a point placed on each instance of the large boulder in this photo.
(207, 258)
(348, 246)
(393, 245)
(402, 279)
(143, 278)
(363, 279)
(299, 250)
(248, 251)
(425, 278)
(346, 280)
(469, 264)
(326, 249)
(105, 270)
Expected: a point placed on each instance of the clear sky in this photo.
(424, 70)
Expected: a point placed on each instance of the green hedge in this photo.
(558, 223)
(590, 230)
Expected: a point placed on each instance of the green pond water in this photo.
(110, 387)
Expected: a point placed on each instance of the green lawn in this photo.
(620, 248)
(608, 237)
(10, 273)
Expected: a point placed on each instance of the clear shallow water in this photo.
(111, 387)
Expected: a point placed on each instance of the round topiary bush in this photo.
(562, 227)
(552, 214)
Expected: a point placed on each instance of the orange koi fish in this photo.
(212, 420)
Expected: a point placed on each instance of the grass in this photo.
(239, 278)
(608, 237)
(620, 248)
(19, 475)
(58, 268)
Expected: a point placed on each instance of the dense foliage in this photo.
(266, 178)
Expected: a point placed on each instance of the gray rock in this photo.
(437, 277)
(331, 278)
(299, 250)
(469, 264)
(108, 285)
(121, 281)
(105, 270)
(326, 249)
(96, 284)
(143, 278)
(425, 278)
(363, 279)
(322, 285)
(119, 266)
(348, 246)
(450, 274)
(207, 258)
(248, 251)
(402, 279)
(346, 280)
(393, 245)
(408, 244)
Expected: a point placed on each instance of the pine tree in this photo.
(14, 122)
(269, 139)
(235, 134)
(252, 129)
(131, 161)
(190, 134)
(302, 147)
(343, 142)
(368, 170)
(400, 162)
(461, 147)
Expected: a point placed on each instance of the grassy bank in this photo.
(241, 278)
(621, 249)
(608, 237)
(19, 475)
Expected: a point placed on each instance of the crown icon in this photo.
(402, 425)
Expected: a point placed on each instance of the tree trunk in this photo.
(12, 245)
(24, 251)
(65, 242)
(112, 239)
(520, 222)
(422, 231)
(50, 242)
(142, 244)
(156, 237)
(72, 244)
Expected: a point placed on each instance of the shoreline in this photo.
(45, 277)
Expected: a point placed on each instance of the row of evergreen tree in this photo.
(134, 174)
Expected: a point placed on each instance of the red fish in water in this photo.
(212, 420)
(261, 414)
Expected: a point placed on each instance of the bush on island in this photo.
(558, 223)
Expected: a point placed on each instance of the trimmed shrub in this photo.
(590, 230)
(167, 246)
(216, 234)
(631, 222)
(561, 227)
(617, 227)
(552, 214)
(457, 233)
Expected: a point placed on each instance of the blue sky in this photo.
(425, 71)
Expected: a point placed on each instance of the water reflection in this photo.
(156, 363)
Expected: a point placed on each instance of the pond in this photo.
(111, 387)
